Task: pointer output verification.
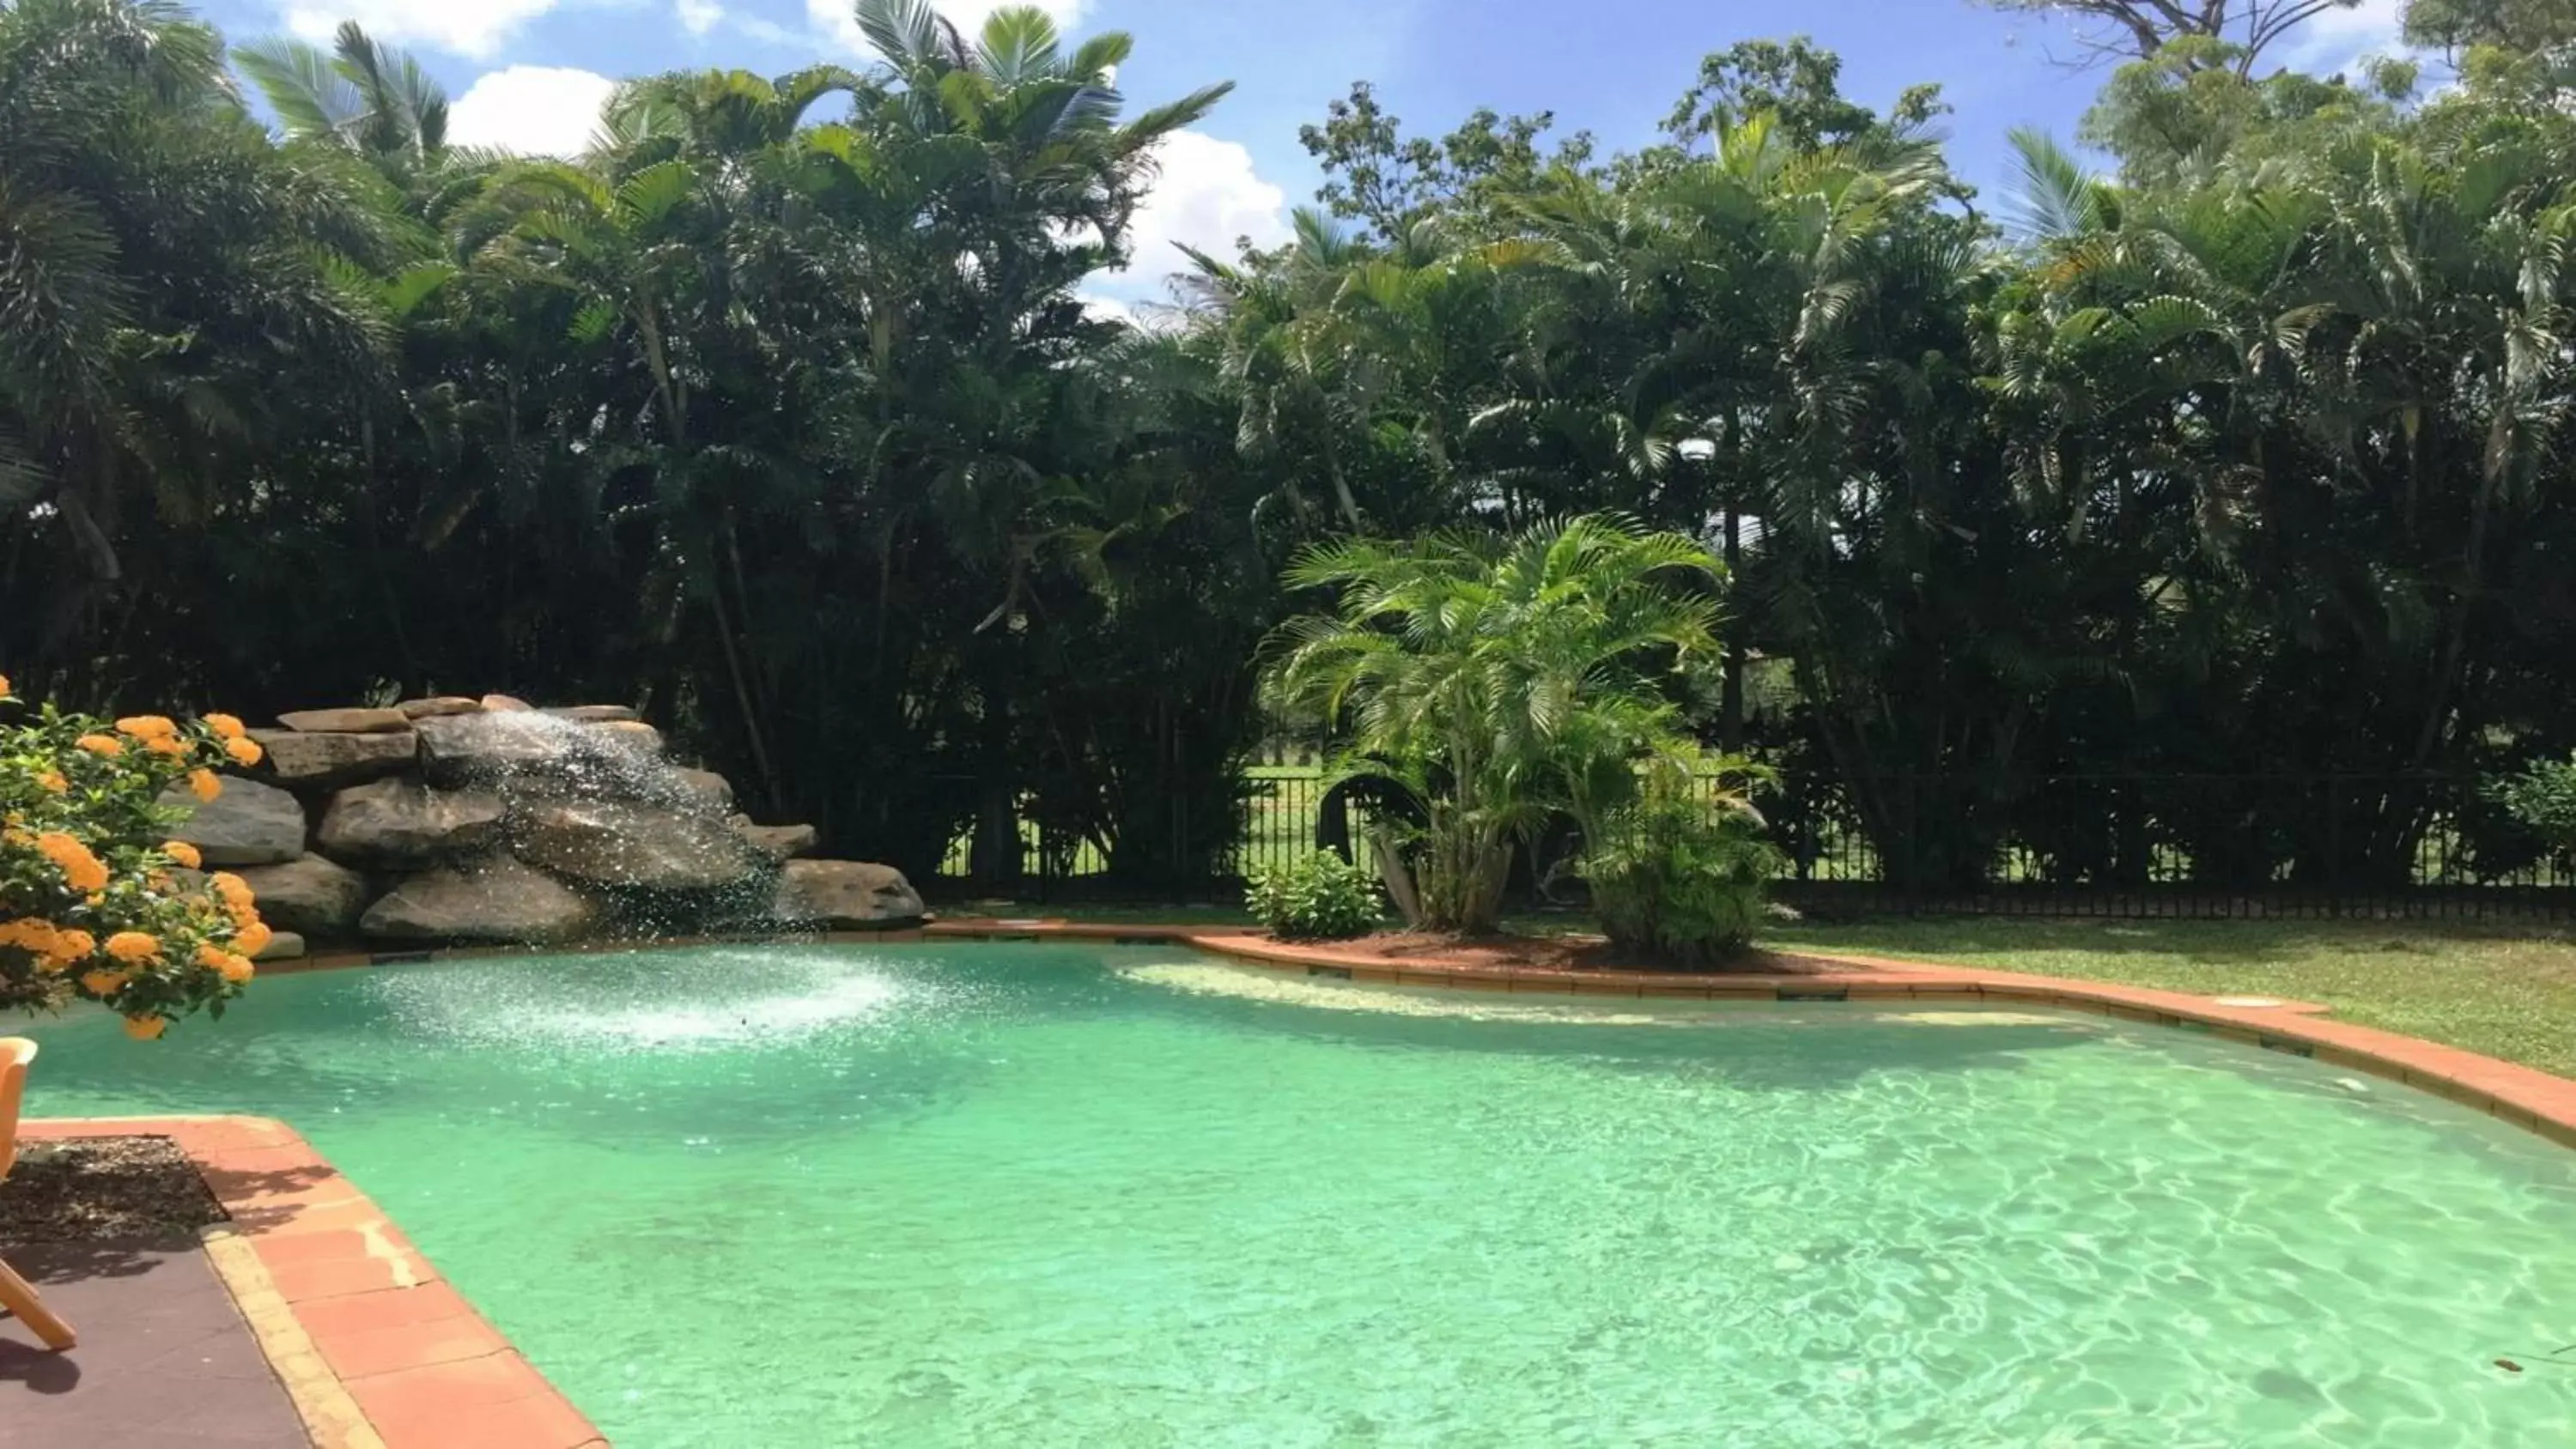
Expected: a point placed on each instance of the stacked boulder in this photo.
(488, 821)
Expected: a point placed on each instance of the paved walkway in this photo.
(164, 1357)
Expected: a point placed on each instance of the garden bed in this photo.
(104, 1188)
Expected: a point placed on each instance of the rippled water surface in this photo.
(1036, 1195)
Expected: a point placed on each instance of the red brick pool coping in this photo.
(2523, 1096)
(372, 1345)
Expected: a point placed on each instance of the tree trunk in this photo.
(1730, 734)
(994, 858)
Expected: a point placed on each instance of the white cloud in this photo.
(469, 27)
(536, 109)
(2335, 40)
(699, 16)
(1206, 195)
(1105, 309)
(837, 20)
(762, 28)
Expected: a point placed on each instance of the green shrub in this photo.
(2544, 798)
(1321, 897)
(1681, 877)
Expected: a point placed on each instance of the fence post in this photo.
(2334, 846)
(1912, 882)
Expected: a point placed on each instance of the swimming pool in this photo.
(1045, 1194)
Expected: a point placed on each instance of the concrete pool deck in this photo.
(373, 1350)
(369, 1347)
(165, 1358)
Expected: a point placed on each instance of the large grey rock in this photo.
(282, 946)
(346, 721)
(491, 900)
(845, 893)
(439, 704)
(596, 713)
(459, 747)
(312, 896)
(778, 842)
(249, 824)
(404, 822)
(703, 787)
(303, 760)
(633, 734)
(615, 844)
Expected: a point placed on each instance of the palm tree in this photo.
(729, 114)
(130, 164)
(361, 94)
(1498, 679)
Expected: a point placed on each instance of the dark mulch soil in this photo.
(101, 1188)
(1551, 953)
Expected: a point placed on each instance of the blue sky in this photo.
(529, 74)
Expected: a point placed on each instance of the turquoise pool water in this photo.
(1034, 1195)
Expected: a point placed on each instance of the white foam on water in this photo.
(1200, 978)
(1254, 984)
(1978, 1018)
(774, 1018)
(747, 997)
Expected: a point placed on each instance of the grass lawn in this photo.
(2507, 993)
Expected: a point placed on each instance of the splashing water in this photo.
(600, 803)
(773, 998)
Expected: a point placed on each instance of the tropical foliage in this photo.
(96, 903)
(2543, 797)
(1314, 897)
(1493, 680)
(779, 412)
(1680, 872)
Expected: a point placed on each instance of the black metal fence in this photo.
(2395, 846)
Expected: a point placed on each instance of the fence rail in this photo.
(2213, 846)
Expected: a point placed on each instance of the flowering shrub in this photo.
(95, 901)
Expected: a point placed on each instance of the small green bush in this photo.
(1681, 878)
(2544, 798)
(1321, 897)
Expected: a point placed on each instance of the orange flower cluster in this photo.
(182, 853)
(245, 752)
(134, 948)
(251, 935)
(56, 948)
(230, 965)
(159, 734)
(82, 870)
(205, 784)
